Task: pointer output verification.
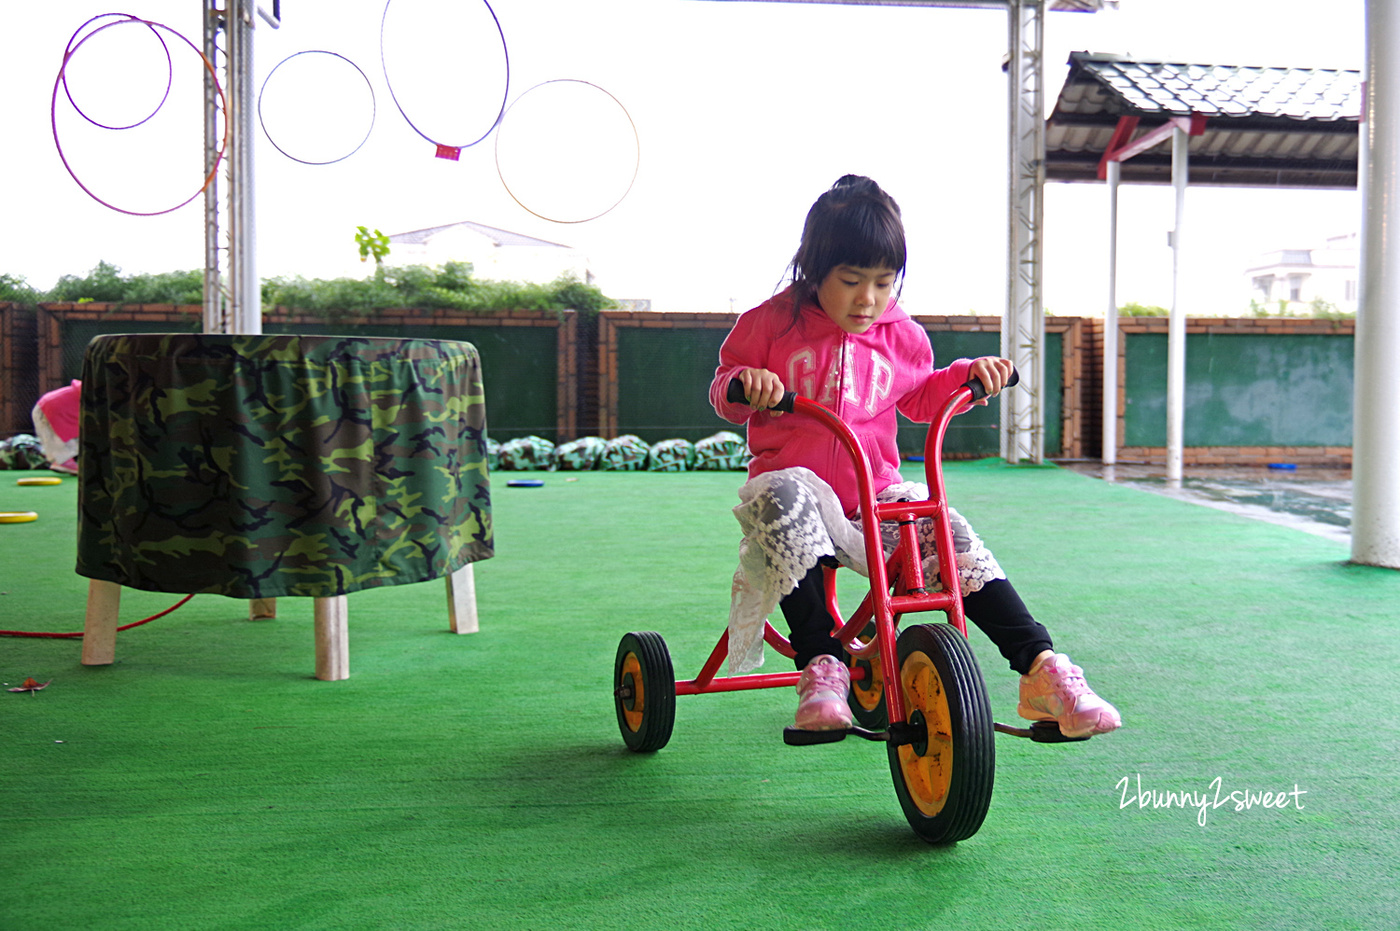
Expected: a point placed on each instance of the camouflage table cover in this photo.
(259, 466)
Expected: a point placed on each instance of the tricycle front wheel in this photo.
(943, 779)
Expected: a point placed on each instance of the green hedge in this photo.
(450, 286)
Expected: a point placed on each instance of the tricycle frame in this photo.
(897, 583)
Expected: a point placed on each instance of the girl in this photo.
(835, 335)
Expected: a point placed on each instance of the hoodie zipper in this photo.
(835, 451)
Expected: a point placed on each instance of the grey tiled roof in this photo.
(1264, 125)
(1167, 88)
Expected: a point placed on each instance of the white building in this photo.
(495, 254)
(1300, 277)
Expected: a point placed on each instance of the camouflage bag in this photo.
(725, 451)
(527, 453)
(22, 451)
(579, 455)
(672, 456)
(626, 453)
(493, 454)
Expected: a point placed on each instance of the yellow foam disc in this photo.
(40, 481)
(17, 517)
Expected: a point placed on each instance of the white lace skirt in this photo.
(791, 518)
(56, 449)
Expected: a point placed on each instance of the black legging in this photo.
(995, 609)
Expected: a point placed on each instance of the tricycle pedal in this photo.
(1044, 732)
(797, 737)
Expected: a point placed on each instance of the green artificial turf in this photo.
(207, 781)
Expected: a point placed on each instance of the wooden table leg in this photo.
(100, 625)
(332, 638)
(461, 601)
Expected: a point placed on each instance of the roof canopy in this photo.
(498, 237)
(1065, 6)
(1291, 127)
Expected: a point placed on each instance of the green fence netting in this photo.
(1243, 390)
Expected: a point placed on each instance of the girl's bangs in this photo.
(871, 241)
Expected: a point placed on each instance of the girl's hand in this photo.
(993, 372)
(762, 388)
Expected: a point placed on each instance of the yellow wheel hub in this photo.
(871, 691)
(633, 709)
(927, 774)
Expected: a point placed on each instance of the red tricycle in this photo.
(937, 725)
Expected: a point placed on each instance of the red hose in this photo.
(145, 620)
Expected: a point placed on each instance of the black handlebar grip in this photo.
(734, 394)
(979, 391)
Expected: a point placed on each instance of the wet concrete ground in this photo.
(1312, 499)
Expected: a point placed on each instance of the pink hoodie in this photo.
(61, 409)
(864, 378)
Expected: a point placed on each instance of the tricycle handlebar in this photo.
(734, 394)
(979, 391)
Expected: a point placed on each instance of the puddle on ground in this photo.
(1314, 500)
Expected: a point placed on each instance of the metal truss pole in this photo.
(215, 296)
(232, 292)
(1023, 325)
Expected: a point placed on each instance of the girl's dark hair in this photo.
(854, 223)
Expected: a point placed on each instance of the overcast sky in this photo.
(743, 113)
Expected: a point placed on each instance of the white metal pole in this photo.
(245, 291)
(1110, 325)
(1375, 520)
(1176, 326)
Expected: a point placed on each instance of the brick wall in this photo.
(1091, 388)
(53, 317)
(32, 360)
(19, 371)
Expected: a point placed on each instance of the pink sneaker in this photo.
(1057, 692)
(821, 695)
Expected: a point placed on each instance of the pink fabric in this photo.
(864, 378)
(60, 408)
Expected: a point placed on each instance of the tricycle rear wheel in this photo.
(944, 778)
(867, 695)
(644, 691)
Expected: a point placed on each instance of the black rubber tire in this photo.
(644, 691)
(867, 697)
(944, 784)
